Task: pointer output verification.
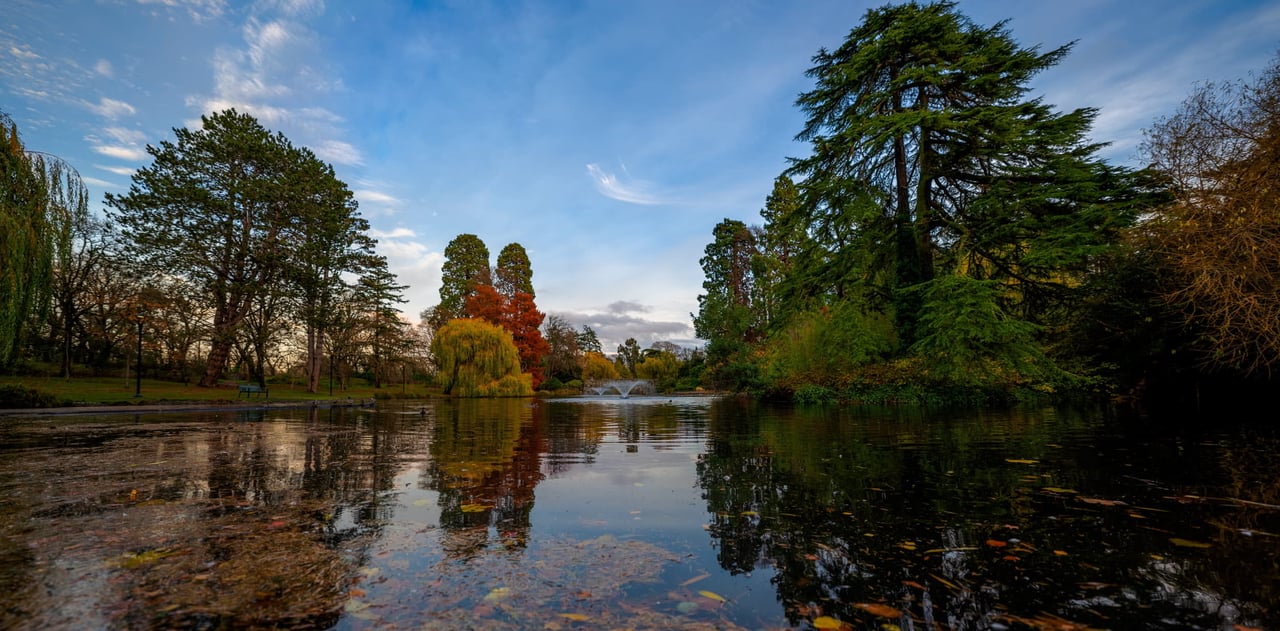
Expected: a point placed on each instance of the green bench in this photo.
(250, 389)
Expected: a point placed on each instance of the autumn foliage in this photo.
(519, 316)
(478, 359)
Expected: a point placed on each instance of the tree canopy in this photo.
(479, 359)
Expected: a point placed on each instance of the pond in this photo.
(640, 513)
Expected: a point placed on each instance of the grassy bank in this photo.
(118, 391)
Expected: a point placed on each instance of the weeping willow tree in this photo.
(42, 201)
(479, 359)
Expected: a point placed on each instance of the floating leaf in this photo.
(496, 594)
(1055, 489)
(695, 579)
(579, 617)
(877, 609)
(712, 595)
(1059, 553)
(422, 502)
(1020, 461)
(1187, 543)
(827, 622)
(474, 508)
(995, 543)
(749, 513)
(1100, 502)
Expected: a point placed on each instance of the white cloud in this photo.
(23, 53)
(103, 67)
(93, 181)
(199, 10)
(338, 152)
(125, 135)
(123, 153)
(111, 108)
(609, 186)
(375, 197)
(125, 171)
(397, 233)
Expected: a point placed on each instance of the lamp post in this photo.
(137, 393)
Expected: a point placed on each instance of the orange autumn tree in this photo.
(518, 315)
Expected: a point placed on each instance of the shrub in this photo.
(811, 394)
(21, 397)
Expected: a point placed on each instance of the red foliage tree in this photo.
(518, 315)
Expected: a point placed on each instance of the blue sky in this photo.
(607, 138)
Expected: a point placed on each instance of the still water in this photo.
(643, 513)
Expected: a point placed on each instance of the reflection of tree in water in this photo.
(930, 519)
(485, 465)
(212, 521)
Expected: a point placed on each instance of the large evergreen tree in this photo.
(928, 158)
(514, 272)
(217, 206)
(466, 267)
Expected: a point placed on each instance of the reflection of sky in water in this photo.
(518, 511)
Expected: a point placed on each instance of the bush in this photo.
(811, 394)
(21, 397)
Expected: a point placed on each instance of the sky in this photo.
(606, 137)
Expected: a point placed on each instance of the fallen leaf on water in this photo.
(877, 609)
(1055, 489)
(473, 508)
(579, 617)
(496, 594)
(1020, 461)
(695, 579)
(1059, 553)
(827, 622)
(995, 543)
(749, 513)
(944, 581)
(1187, 543)
(712, 595)
(913, 584)
(1100, 502)
(422, 502)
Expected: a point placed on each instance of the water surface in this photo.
(641, 513)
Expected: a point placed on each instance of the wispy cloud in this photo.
(338, 152)
(123, 153)
(111, 108)
(631, 192)
(103, 67)
(395, 233)
(277, 75)
(125, 171)
(375, 197)
(93, 181)
(23, 53)
(197, 10)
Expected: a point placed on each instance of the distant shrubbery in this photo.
(21, 397)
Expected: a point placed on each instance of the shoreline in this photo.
(155, 408)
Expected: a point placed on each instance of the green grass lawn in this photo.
(118, 391)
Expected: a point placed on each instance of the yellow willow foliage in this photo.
(479, 359)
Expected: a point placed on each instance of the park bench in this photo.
(250, 389)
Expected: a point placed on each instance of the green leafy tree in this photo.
(588, 341)
(629, 356)
(479, 359)
(563, 359)
(466, 267)
(929, 159)
(380, 291)
(41, 199)
(214, 207)
(514, 272)
(328, 246)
